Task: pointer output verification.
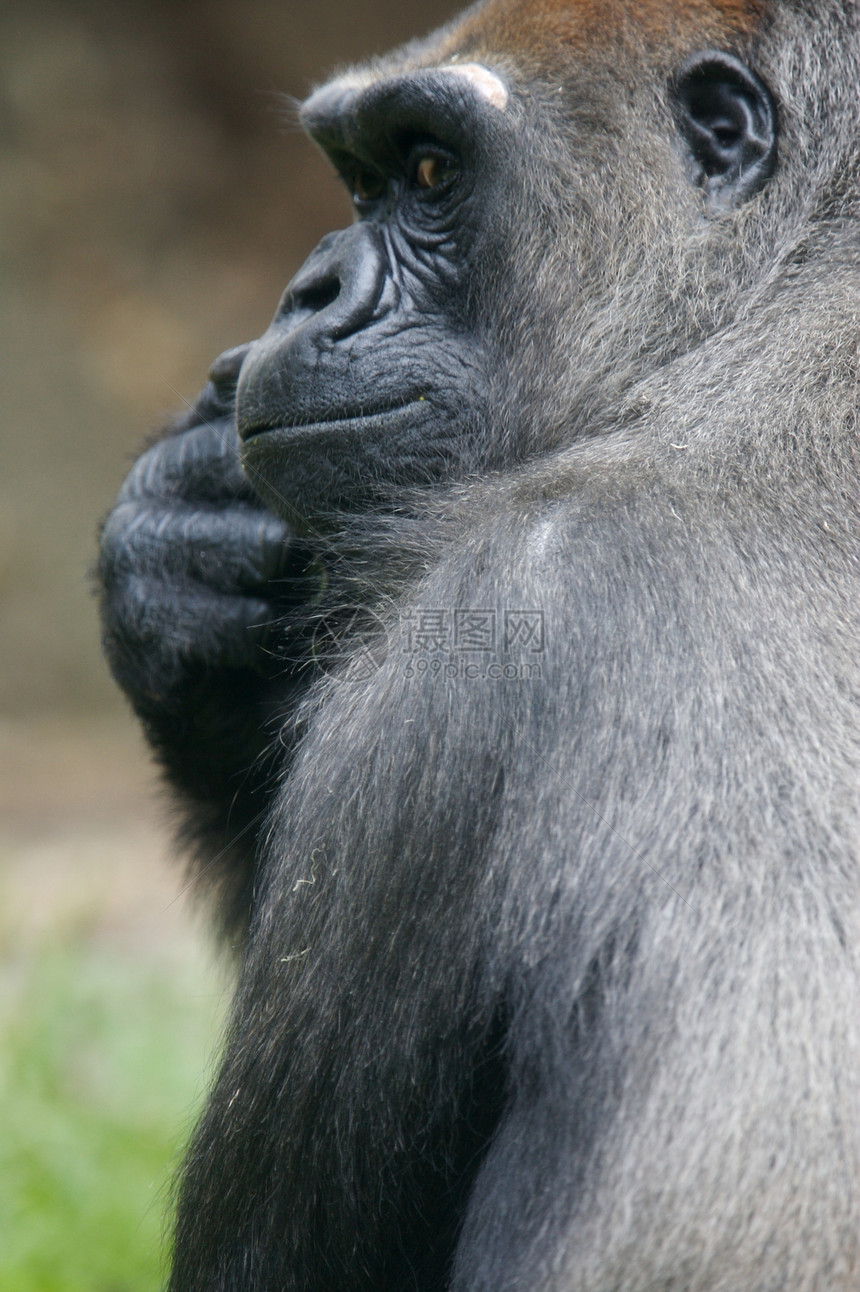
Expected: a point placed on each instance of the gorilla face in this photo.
(373, 372)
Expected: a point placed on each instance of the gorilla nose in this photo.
(339, 286)
(321, 324)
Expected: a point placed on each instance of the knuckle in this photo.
(116, 536)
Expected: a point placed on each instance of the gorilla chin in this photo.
(315, 470)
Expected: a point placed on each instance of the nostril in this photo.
(316, 296)
(310, 296)
(338, 288)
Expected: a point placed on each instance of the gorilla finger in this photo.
(155, 630)
(220, 390)
(228, 549)
(217, 397)
(201, 464)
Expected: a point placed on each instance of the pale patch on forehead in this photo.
(488, 85)
(480, 78)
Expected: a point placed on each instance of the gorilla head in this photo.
(535, 228)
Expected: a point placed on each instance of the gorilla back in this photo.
(494, 617)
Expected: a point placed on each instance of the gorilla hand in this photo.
(195, 572)
(188, 559)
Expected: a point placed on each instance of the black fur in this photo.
(552, 971)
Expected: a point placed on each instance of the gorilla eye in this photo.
(431, 171)
(367, 186)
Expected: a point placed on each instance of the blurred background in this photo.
(155, 198)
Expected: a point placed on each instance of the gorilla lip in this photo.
(247, 433)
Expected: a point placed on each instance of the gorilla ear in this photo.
(727, 118)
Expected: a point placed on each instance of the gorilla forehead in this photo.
(540, 26)
(539, 35)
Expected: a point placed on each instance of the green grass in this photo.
(103, 1063)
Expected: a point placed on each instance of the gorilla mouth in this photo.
(345, 419)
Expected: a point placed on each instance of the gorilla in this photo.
(494, 618)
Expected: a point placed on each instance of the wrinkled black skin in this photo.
(455, 960)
